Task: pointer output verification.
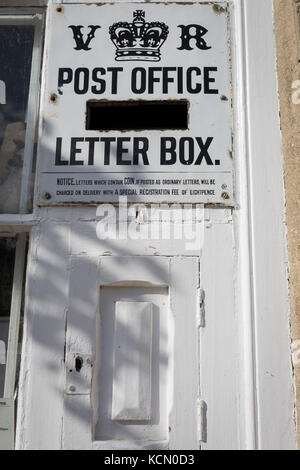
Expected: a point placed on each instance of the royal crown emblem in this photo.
(138, 40)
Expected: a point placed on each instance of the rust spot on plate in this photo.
(53, 98)
(218, 9)
(225, 195)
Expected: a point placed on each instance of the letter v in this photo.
(78, 37)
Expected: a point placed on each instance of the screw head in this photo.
(46, 196)
(72, 388)
(225, 196)
(53, 98)
(218, 9)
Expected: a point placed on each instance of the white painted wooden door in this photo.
(132, 354)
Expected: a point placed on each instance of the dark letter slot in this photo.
(137, 115)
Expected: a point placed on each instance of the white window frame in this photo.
(268, 393)
(19, 225)
(35, 18)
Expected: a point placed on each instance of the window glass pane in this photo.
(16, 47)
(7, 261)
(7, 267)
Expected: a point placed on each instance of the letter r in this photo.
(197, 34)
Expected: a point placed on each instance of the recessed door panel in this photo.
(133, 364)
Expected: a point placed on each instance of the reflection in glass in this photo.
(16, 45)
(7, 262)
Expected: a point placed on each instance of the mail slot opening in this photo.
(137, 115)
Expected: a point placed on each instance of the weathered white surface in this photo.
(184, 282)
(78, 373)
(155, 429)
(132, 365)
(174, 387)
(244, 283)
(42, 378)
(242, 277)
(273, 381)
(219, 341)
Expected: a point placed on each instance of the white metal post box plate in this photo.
(137, 104)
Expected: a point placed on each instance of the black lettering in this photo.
(180, 80)
(91, 141)
(137, 150)
(189, 82)
(121, 151)
(81, 75)
(187, 36)
(96, 79)
(168, 146)
(204, 151)
(190, 154)
(107, 141)
(114, 78)
(78, 37)
(58, 160)
(142, 79)
(65, 76)
(152, 79)
(208, 80)
(167, 79)
(74, 151)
